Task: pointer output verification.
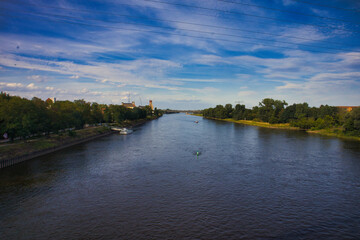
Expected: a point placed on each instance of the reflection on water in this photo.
(248, 182)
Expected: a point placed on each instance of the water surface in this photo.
(247, 183)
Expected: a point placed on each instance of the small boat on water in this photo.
(125, 131)
(196, 121)
(122, 131)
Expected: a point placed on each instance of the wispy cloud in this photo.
(38, 78)
(219, 57)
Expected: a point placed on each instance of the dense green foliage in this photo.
(352, 122)
(20, 117)
(298, 115)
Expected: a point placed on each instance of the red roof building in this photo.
(129, 105)
(348, 108)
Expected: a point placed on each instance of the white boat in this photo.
(116, 129)
(125, 131)
(122, 131)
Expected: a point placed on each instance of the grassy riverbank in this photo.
(333, 132)
(22, 148)
(262, 124)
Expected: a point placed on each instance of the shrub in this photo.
(72, 133)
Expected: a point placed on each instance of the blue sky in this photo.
(182, 54)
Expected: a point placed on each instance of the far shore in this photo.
(325, 132)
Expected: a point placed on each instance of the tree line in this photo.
(298, 115)
(21, 117)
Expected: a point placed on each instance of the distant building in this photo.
(129, 105)
(151, 105)
(348, 108)
(53, 100)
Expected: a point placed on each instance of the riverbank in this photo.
(12, 153)
(335, 132)
(135, 123)
(16, 152)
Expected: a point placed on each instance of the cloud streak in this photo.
(170, 60)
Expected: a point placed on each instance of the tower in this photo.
(151, 105)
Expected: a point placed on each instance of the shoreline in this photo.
(12, 161)
(45, 145)
(136, 123)
(285, 126)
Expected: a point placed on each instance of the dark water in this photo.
(247, 183)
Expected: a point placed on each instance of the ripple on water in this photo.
(248, 183)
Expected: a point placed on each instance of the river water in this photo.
(247, 183)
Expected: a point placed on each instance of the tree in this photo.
(12, 115)
(327, 111)
(239, 112)
(352, 122)
(84, 109)
(118, 113)
(303, 123)
(156, 112)
(96, 114)
(65, 114)
(301, 110)
(269, 110)
(43, 121)
(229, 110)
(220, 112)
(149, 111)
(20, 117)
(108, 117)
(326, 122)
(287, 114)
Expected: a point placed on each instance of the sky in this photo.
(182, 54)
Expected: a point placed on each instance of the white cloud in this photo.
(290, 85)
(101, 64)
(31, 86)
(338, 77)
(38, 78)
(137, 72)
(303, 34)
(11, 86)
(197, 80)
(246, 93)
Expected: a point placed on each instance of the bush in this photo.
(303, 123)
(273, 120)
(352, 123)
(72, 133)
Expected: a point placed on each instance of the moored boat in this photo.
(122, 131)
(125, 131)
(116, 129)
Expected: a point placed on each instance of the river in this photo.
(247, 183)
